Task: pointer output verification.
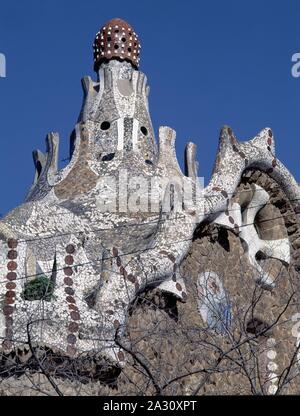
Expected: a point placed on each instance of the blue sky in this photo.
(208, 63)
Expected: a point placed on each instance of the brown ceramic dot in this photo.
(116, 324)
(174, 277)
(8, 310)
(178, 287)
(10, 294)
(73, 327)
(10, 301)
(70, 299)
(269, 148)
(11, 276)
(71, 339)
(12, 243)
(121, 356)
(184, 296)
(12, 265)
(131, 278)
(115, 251)
(216, 188)
(242, 155)
(10, 285)
(229, 131)
(231, 220)
(69, 291)
(69, 259)
(12, 254)
(7, 345)
(70, 249)
(270, 133)
(119, 261)
(68, 271)
(71, 350)
(274, 163)
(75, 316)
(68, 281)
(269, 141)
(224, 193)
(73, 307)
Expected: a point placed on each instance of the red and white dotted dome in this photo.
(116, 40)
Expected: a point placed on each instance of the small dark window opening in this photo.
(149, 162)
(105, 125)
(144, 130)
(116, 46)
(129, 49)
(108, 157)
(108, 38)
(123, 39)
(117, 31)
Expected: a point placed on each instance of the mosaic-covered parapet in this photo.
(234, 157)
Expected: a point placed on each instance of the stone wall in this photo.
(173, 348)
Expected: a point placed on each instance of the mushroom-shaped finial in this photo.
(116, 40)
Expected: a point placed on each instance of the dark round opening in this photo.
(117, 31)
(149, 162)
(108, 38)
(116, 46)
(108, 157)
(105, 125)
(260, 255)
(129, 49)
(144, 130)
(123, 39)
